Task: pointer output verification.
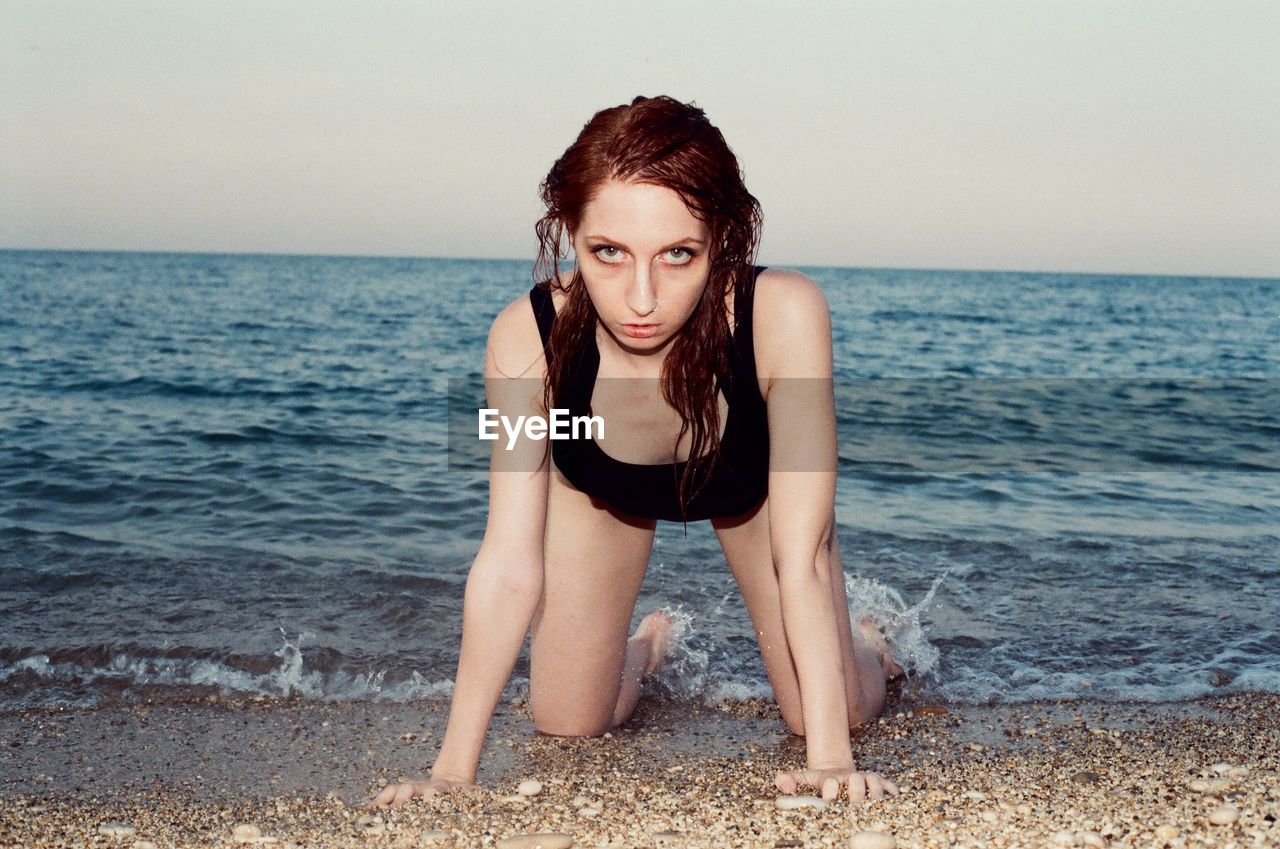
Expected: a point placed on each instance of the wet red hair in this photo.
(661, 141)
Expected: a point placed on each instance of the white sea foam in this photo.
(737, 691)
(969, 685)
(290, 678)
(697, 669)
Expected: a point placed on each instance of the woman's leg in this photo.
(585, 674)
(745, 541)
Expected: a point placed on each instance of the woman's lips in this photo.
(640, 331)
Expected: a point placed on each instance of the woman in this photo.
(727, 364)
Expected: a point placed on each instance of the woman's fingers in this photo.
(786, 782)
(879, 787)
(391, 795)
(890, 789)
(861, 786)
(387, 796)
(397, 794)
(394, 795)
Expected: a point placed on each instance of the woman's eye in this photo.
(679, 256)
(607, 253)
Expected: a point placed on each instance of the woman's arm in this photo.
(503, 588)
(793, 338)
(505, 580)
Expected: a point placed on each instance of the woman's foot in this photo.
(872, 634)
(646, 652)
(656, 628)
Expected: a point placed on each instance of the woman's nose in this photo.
(642, 299)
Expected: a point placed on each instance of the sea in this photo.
(235, 474)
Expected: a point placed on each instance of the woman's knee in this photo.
(557, 726)
(794, 721)
(563, 721)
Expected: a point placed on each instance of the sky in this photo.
(1108, 137)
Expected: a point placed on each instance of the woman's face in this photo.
(645, 259)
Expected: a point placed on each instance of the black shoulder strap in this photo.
(544, 311)
(744, 301)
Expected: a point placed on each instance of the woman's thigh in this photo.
(745, 542)
(594, 564)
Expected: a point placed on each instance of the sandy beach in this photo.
(292, 773)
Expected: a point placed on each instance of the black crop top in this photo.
(739, 480)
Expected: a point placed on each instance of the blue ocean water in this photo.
(230, 473)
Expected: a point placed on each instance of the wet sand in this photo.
(1048, 774)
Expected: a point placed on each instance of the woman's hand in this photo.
(862, 784)
(397, 794)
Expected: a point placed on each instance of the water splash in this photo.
(289, 678)
(689, 674)
(684, 673)
(900, 623)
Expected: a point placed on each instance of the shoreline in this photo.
(1026, 774)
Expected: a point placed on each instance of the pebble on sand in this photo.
(529, 787)
(1209, 785)
(245, 832)
(544, 840)
(1064, 838)
(796, 803)
(1166, 832)
(872, 840)
(117, 829)
(666, 838)
(1092, 838)
(1225, 815)
(436, 837)
(371, 825)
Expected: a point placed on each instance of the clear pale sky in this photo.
(1136, 137)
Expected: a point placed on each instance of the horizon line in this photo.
(802, 265)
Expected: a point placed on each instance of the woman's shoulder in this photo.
(515, 346)
(792, 324)
(786, 291)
